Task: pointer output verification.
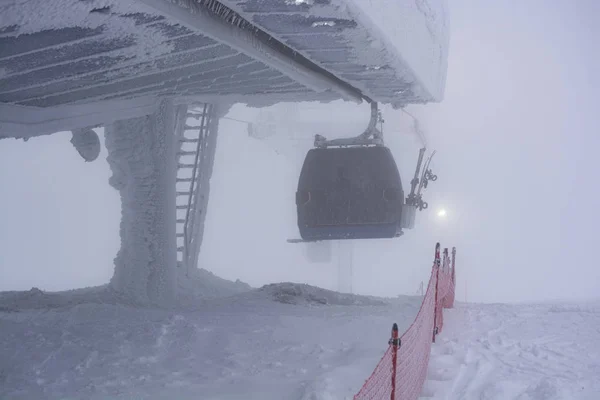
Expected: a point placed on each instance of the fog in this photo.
(516, 136)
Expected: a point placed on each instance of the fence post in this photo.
(453, 260)
(446, 261)
(437, 279)
(395, 343)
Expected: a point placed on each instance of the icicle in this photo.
(225, 13)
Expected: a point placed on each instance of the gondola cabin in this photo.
(349, 193)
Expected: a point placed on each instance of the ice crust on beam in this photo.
(395, 52)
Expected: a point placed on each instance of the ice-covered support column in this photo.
(142, 157)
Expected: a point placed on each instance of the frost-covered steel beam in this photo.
(23, 122)
(190, 14)
(258, 100)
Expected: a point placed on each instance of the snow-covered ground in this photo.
(525, 352)
(284, 341)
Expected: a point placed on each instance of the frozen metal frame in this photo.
(370, 137)
(24, 122)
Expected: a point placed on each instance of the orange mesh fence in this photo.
(402, 370)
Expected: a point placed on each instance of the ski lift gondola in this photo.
(351, 189)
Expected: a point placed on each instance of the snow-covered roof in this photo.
(394, 51)
(56, 52)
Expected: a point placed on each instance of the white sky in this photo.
(516, 135)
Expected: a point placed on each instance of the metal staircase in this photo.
(197, 144)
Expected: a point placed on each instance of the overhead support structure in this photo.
(198, 17)
(250, 51)
(24, 122)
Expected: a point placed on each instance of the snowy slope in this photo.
(525, 352)
(287, 341)
(255, 345)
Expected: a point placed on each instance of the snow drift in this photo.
(248, 345)
(85, 345)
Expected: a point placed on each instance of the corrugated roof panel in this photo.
(124, 49)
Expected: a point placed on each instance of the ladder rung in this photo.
(182, 193)
(182, 207)
(197, 127)
(179, 235)
(187, 140)
(186, 165)
(186, 153)
(197, 111)
(183, 180)
(180, 221)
